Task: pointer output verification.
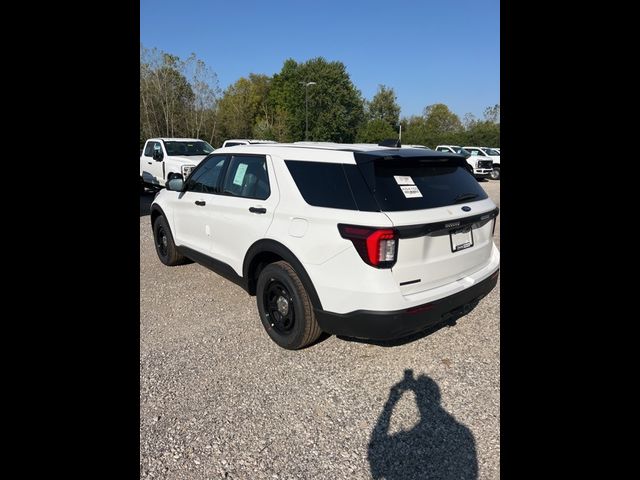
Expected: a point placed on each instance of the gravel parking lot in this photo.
(219, 399)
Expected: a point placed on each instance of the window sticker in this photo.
(240, 172)
(411, 191)
(400, 180)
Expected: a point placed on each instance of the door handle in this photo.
(257, 210)
(201, 203)
(149, 163)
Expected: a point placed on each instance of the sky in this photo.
(428, 51)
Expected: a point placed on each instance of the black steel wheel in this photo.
(285, 308)
(279, 308)
(165, 246)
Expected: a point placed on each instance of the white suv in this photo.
(362, 241)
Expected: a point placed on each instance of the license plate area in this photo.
(461, 238)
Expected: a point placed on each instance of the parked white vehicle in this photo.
(165, 158)
(482, 167)
(244, 141)
(486, 152)
(367, 241)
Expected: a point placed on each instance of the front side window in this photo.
(206, 178)
(151, 146)
(247, 177)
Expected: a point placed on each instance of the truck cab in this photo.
(163, 159)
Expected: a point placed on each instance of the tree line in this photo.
(182, 98)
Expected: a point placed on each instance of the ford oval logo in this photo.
(466, 209)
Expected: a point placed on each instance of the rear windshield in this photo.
(412, 185)
(396, 184)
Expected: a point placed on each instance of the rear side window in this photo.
(322, 184)
(414, 185)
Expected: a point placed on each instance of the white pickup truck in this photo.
(165, 158)
(482, 166)
(484, 153)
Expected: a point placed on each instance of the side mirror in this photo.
(175, 184)
(157, 155)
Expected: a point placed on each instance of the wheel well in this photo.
(155, 213)
(255, 267)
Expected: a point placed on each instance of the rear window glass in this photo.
(411, 185)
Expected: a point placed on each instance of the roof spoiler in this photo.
(390, 142)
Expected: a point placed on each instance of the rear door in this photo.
(443, 216)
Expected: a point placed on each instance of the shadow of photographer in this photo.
(438, 447)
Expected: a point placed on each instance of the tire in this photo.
(165, 246)
(141, 185)
(279, 289)
(495, 174)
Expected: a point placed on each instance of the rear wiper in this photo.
(465, 196)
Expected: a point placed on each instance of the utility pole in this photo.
(306, 108)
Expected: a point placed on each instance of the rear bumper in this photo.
(376, 325)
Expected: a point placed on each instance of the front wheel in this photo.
(285, 308)
(165, 246)
(495, 174)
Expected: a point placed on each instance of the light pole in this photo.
(306, 108)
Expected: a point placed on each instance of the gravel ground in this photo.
(219, 399)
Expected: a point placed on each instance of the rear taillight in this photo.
(378, 247)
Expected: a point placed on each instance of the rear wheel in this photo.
(495, 174)
(165, 246)
(285, 308)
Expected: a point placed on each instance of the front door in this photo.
(152, 168)
(195, 212)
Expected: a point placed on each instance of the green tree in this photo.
(335, 109)
(374, 131)
(245, 107)
(384, 106)
(441, 125)
(414, 130)
(484, 134)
